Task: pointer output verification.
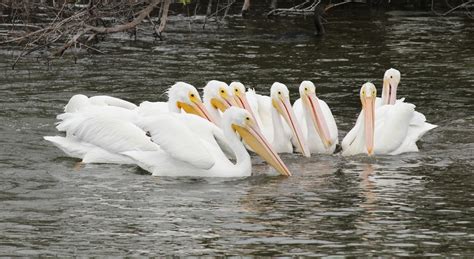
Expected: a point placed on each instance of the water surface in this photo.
(411, 204)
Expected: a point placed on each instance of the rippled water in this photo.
(412, 204)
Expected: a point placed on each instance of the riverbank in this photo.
(59, 27)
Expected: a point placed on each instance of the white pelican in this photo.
(316, 119)
(180, 144)
(391, 79)
(241, 98)
(181, 97)
(385, 130)
(268, 112)
(217, 99)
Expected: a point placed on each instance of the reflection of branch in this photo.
(164, 15)
(51, 28)
(452, 9)
(344, 2)
(71, 42)
(297, 9)
(302, 10)
(226, 8)
(157, 33)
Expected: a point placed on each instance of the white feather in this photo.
(179, 141)
(315, 142)
(397, 129)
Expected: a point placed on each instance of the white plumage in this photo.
(275, 117)
(217, 97)
(316, 120)
(100, 139)
(397, 128)
(180, 144)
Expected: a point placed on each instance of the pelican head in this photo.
(217, 94)
(391, 79)
(368, 94)
(281, 102)
(238, 90)
(245, 126)
(311, 105)
(185, 96)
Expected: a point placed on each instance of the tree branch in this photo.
(143, 14)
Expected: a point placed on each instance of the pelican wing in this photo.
(207, 132)
(88, 152)
(300, 117)
(265, 111)
(262, 109)
(105, 100)
(379, 102)
(98, 139)
(71, 146)
(152, 108)
(112, 112)
(252, 99)
(331, 122)
(347, 144)
(392, 126)
(111, 134)
(178, 141)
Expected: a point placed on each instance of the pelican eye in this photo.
(236, 90)
(192, 95)
(306, 89)
(222, 91)
(279, 92)
(391, 76)
(247, 118)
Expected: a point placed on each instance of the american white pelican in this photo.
(181, 97)
(385, 130)
(391, 79)
(269, 111)
(217, 99)
(316, 119)
(180, 144)
(241, 99)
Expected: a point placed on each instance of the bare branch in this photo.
(143, 14)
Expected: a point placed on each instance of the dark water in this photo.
(412, 204)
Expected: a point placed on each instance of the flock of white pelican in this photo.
(186, 136)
